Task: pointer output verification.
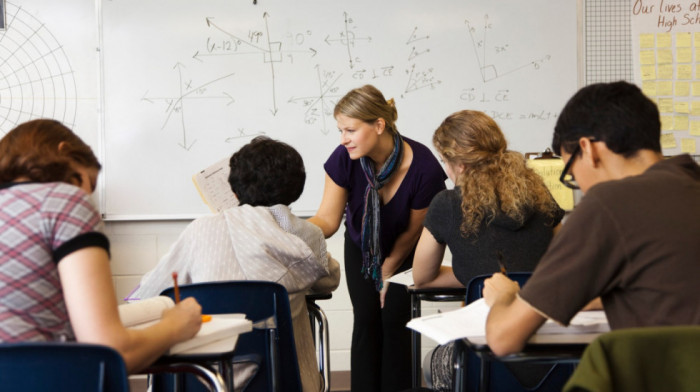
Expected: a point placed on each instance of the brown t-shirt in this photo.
(636, 243)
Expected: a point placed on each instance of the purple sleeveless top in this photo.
(425, 178)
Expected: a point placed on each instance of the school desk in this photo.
(444, 294)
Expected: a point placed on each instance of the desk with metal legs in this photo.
(447, 294)
(214, 369)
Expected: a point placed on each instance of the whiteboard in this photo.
(49, 65)
(187, 83)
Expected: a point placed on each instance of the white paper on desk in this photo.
(217, 335)
(470, 322)
(405, 278)
(593, 321)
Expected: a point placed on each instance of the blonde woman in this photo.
(383, 183)
(499, 212)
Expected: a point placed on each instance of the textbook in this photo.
(216, 335)
(470, 322)
(213, 187)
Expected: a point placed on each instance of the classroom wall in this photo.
(137, 246)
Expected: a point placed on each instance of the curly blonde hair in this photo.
(494, 179)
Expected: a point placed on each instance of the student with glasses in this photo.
(632, 240)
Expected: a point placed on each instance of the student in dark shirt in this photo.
(499, 213)
(633, 239)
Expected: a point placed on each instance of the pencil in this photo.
(205, 317)
(177, 289)
(500, 263)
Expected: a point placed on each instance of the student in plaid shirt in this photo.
(55, 279)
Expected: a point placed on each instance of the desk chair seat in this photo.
(52, 366)
(272, 338)
(640, 359)
(473, 373)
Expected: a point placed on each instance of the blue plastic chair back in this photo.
(53, 366)
(258, 300)
(501, 378)
(475, 287)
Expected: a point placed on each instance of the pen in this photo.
(205, 317)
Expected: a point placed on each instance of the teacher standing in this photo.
(384, 183)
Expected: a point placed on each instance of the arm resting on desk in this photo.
(428, 270)
(511, 321)
(91, 302)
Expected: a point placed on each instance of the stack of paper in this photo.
(216, 335)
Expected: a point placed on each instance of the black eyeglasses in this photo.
(567, 178)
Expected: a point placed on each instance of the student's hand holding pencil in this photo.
(500, 289)
(185, 317)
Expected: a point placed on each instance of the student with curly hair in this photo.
(260, 239)
(500, 211)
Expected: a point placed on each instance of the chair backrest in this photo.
(258, 300)
(475, 287)
(53, 366)
(640, 359)
(502, 377)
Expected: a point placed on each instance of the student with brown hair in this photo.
(500, 213)
(55, 279)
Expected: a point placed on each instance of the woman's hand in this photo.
(185, 319)
(385, 287)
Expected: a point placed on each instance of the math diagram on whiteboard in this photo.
(187, 87)
(499, 60)
(242, 65)
(36, 77)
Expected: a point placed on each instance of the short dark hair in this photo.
(617, 113)
(266, 172)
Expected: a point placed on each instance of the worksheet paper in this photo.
(470, 322)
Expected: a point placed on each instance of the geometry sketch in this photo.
(175, 105)
(418, 79)
(321, 105)
(36, 78)
(348, 39)
(488, 69)
(271, 50)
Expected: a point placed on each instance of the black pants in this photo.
(380, 356)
